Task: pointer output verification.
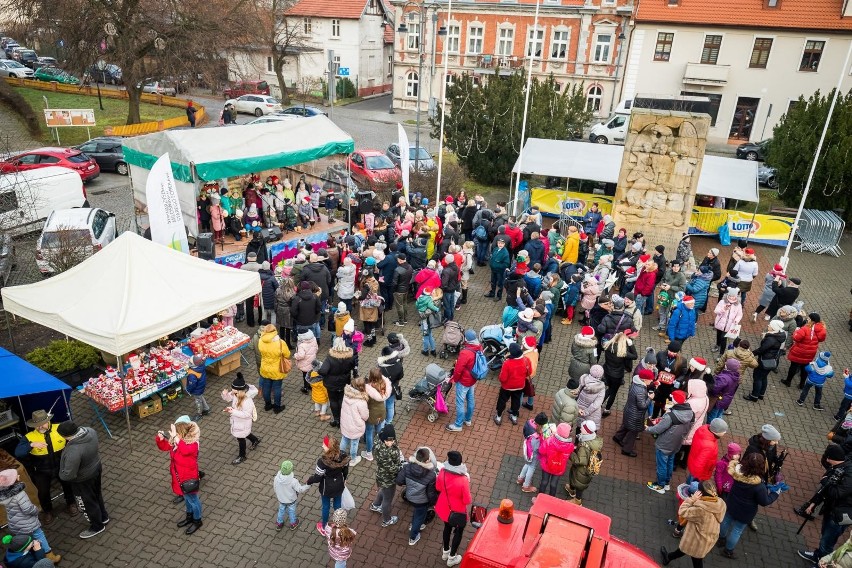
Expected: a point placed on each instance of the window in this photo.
(593, 98)
(99, 223)
(412, 84)
(414, 35)
(306, 24)
(390, 65)
(453, 35)
(505, 41)
(559, 45)
(535, 42)
(715, 103)
(451, 80)
(335, 28)
(811, 55)
(603, 43)
(269, 64)
(760, 52)
(474, 39)
(28, 159)
(663, 50)
(336, 62)
(710, 53)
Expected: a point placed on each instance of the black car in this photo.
(27, 57)
(107, 152)
(109, 75)
(753, 150)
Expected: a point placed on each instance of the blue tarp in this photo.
(20, 378)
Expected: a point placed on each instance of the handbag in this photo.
(455, 519)
(529, 387)
(284, 364)
(768, 364)
(188, 486)
(440, 403)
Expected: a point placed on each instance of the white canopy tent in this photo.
(720, 177)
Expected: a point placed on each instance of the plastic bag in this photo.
(347, 501)
(725, 235)
(440, 403)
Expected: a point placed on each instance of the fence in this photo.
(820, 232)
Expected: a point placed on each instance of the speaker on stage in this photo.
(271, 235)
(365, 202)
(204, 244)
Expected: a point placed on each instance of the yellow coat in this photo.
(319, 394)
(572, 248)
(271, 350)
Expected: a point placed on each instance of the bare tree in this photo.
(284, 36)
(66, 247)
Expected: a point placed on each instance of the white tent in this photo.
(130, 294)
(720, 177)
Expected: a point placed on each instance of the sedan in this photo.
(158, 88)
(107, 152)
(257, 105)
(274, 118)
(28, 57)
(768, 176)
(45, 62)
(373, 171)
(304, 110)
(110, 74)
(9, 68)
(42, 157)
(753, 150)
(55, 74)
(415, 156)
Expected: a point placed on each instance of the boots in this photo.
(53, 557)
(194, 526)
(183, 522)
(463, 297)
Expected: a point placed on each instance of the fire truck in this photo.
(553, 534)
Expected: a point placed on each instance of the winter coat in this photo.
(401, 279)
(183, 457)
(514, 373)
(21, 513)
(613, 322)
(579, 476)
(818, 371)
(463, 369)
(590, 291)
(608, 231)
(699, 402)
(272, 349)
(675, 280)
(554, 445)
(268, 286)
(572, 248)
(536, 249)
(744, 356)
(376, 402)
(389, 460)
(500, 259)
(564, 408)
(724, 480)
(703, 519)
(646, 283)
(331, 474)
(241, 418)
(354, 413)
(318, 273)
(699, 287)
(770, 347)
(453, 485)
(591, 397)
(748, 492)
(305, 308)
(636, 408)
(704, 454)
(337, 369)
(282, 308)
(682, 322)
(768, 293)
(287, 487)
(672, 428)
(791, 324)
(582, 356)
(346, 281)
(80, 458)
(615, 366)
(417, 477)
(26, 559)
(725, 386)
(728, 315)
(196, 380)
(427, 278)
(715, 268)
(806, 342)
(368, 313)
(306, 351)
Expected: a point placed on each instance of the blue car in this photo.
(303, 110)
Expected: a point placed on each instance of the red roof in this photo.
(344, 9)
(824, 15)
(388, 35)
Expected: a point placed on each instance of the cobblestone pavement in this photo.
(239, 504)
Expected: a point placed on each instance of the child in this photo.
(306, 213)
(196, 384)
(287, 490)
(389, 460)
(332, 202)
(340, 538)
(531, 353)
(553, 455)
(242, 413)
(22, 513)
(589, 445)
(22, 550)
(429, 317)
(818, 371)
(847, 396)
(571, 297)
(306, 353)
(533, 435)
(228, 315)
(724, 480)
(664, 304)
(319, 394)
(549, 309)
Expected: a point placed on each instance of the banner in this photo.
(575, 204)
(69, 117)
(164, 213)
(404, 156)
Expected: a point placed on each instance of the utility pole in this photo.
(332, 87)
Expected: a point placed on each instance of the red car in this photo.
(373, 170)
(43, 157)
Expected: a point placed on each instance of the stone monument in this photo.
(663, 154)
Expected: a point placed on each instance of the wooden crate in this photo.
(148, 406)
(225, 365)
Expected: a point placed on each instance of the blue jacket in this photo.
(536, 249)
(196, 383)
(572, 294)
(533, 284)
(499, 259)
(847, 387)
(551, 265)
(23, 560)
(268, 286)
(698, 287)
(387, 266)
(682, 323)
(818, 371)
(591, 220)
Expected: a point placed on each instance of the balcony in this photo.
(502, 64)
(704, 74)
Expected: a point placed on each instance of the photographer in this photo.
(835, 496)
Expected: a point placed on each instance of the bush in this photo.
(425, 183)
(344, 88)
(62, 356)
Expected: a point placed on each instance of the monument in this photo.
(663, 154)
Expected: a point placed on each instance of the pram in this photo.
(495, 340)
(426, 389)
(452, 339)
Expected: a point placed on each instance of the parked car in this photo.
(56, 74)
(45, 62)
(10, 47)
(9, 68)
(241, 88)
(768, 176)
(29, 197)
(107, 152)
(424, 158)
(158, 88)
(28, 57)
(257, 105)
(753, 150)
(7, 257)
(109, 75)
(71, 236)
(304, 110)
(372, 170)
(274, 118)
(42, 157)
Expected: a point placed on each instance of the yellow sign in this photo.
(69, 117)
(574, 204)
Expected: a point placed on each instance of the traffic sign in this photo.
(343, 71)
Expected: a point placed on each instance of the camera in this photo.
(801, 512)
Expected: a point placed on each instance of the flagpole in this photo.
(526, 105)
(443, 102)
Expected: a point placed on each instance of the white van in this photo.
(27, 198)
(611, 131)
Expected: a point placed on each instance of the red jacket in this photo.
(806, 342)
(554, 445)
(183, 460)
(427, 278)
(516, 234)
(462, 372)
(704, 454)
(645, 283)
(453, 494)
(514, 373)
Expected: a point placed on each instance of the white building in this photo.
(752, 58)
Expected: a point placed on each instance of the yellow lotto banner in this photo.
(575, 204)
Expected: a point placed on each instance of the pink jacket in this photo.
(554, 445)
(699, 402)
(353, 413)
(241, 418)
(728, 315)
(590, 291)
(306, 351)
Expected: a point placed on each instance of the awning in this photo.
(23, 378)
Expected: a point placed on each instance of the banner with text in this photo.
(404, 155)
(551, 201)
(164, 213)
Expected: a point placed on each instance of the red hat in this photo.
(646, 374)
(778, 268)
(688, 299)
(587, 331)
(530, 343)
(645, 258)
(399, 185)
(749, 251)
(584, 236)
(679, 397)
(631, 270)
(699, 363)
(449, 199)
(306, 198)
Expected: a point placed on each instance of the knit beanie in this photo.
(770, 433)
(67, 429)
(718, 426)
(674, 346)
(587, 431)
(349, 326)
(734, 449)
(387, 433)
(776, 325)
(563, 432)
(515, 351)
(650, 357)
(339, 517)
(8, 477)
(814, 317)
(646, 374)
(596, 371)
(469, 335)
(18, 542)
(540, 419)
(454, 458)
(341, 308)
(286, 467)
(732, 365)
(678, 396)
(239, 383)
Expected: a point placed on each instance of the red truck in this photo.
(553, 534)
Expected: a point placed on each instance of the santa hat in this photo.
(584, 236)
(529, 343)
(449, 199)
(698, 363)
(587, 431)
(306, 198)
(645, 258)
(631, 270)
(688, 299)
(679, 397)
(646, 374)
(587, 331)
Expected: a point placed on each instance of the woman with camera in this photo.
(182, 445)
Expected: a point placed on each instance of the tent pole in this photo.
(753, 215)
(67, 406)
(21, 406)
(126, 408)
(9, 329)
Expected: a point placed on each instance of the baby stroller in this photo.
(452, 339)
(426, 389)
(495, 340)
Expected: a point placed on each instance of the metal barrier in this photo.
(820, 232)
(566, 219)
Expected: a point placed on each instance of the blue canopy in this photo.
(22, 378)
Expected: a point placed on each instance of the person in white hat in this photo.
(584, 461)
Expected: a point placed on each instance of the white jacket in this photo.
(287, 487)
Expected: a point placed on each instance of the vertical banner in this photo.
(164, 214)
(404, 159)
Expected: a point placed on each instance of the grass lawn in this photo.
(114, 113)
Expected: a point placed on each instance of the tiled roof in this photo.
(388, 35)
(344, 9)
(790, 14)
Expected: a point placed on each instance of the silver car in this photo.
(415, 156)
(9, 68)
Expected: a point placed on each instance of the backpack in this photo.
(480, 365)
(557, 461)
(595, 462)
(481, 233)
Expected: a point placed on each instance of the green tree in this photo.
(794, 143)
(483, 122)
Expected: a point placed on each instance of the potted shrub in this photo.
(72, 360)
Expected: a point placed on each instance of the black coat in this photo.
(268, 286)
(770, 454)
(770, 347)
(715, 267)
(613, 322)
(336, 371)
(784, 296)
(450, 278)
(615, 366)
(402, 277)
(747, 493)
(305, 309)
(318, 273)
(636, 408)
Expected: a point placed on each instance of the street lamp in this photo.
(421, 10)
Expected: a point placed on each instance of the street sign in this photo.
(343, 71)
